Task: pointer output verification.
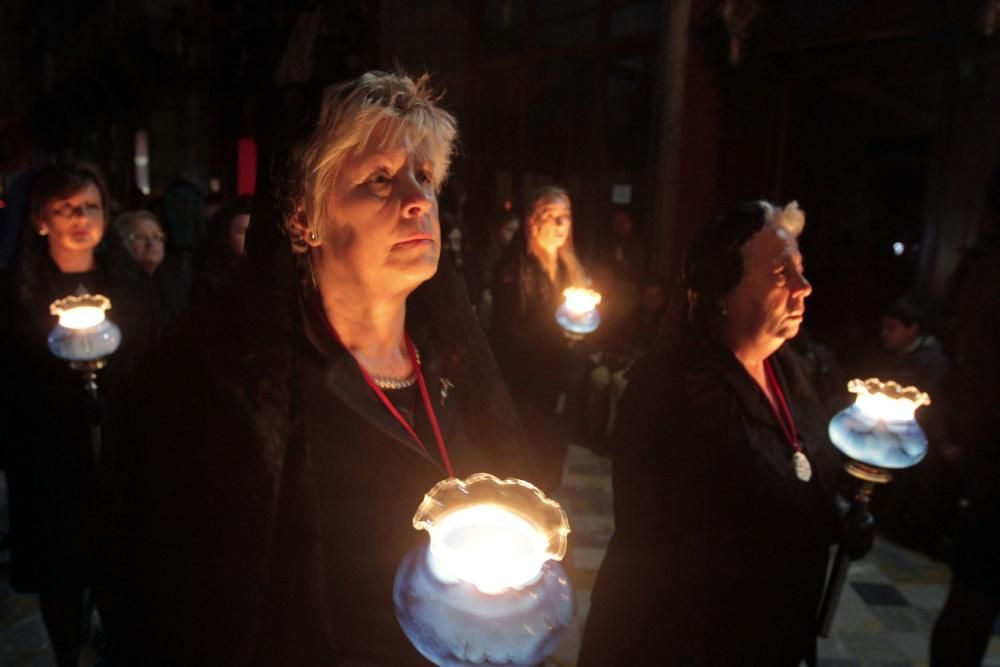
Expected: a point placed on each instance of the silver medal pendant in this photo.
(803, 470)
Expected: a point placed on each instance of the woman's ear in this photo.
(307, 232)
(42, 227)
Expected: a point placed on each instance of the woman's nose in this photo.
(418, 198)
(802, 287)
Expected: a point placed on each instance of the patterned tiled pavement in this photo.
(884, 618)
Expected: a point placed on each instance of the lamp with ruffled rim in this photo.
(488, 587)
(877, 433)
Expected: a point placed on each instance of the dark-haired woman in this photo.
(221, 251)
(531, 349)
(723, 475)
(47, 414)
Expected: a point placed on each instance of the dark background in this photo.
(879, 117)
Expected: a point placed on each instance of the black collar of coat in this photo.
(343, 377)
(444, 328)
(809, 418)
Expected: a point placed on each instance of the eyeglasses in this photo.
(147, 238)
(88, 209)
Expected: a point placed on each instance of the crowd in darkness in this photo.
(169, 261)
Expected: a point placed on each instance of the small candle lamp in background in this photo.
(578, 313)
(488, 588)
(85, 338)
(878, 433)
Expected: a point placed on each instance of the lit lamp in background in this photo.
(488, 588)
(85, 338)
(578, 313)
(878, 433)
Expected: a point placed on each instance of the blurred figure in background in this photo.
(919, 508)
(963, 629)
(147, 244)
(144, 239)
(912, 355)
(503, 225)
(220, 254)
(531, 349)
(607, 380)
(457, 247)
(46, 413)
(623, 250)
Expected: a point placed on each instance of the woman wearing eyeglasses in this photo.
(46, 414)
(143, 236)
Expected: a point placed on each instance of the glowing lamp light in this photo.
(83, 334)
(877, 433)
(578, 312)
(488, 588)
(879, 429)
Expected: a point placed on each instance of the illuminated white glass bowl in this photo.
(578, 312)
(488, 588)
(879, 429)
(83, 333)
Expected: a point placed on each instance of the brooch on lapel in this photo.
(446, 387)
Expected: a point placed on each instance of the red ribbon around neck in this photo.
(781, 413)
(415, 361)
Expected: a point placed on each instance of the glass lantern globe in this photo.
(83, 333)
(578, 312)
(488, 588)
(879, 429)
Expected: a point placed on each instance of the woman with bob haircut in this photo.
(46, 414)
(724, 478)
(258, 517)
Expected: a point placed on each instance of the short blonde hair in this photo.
(405, 107)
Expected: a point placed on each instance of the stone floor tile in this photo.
(903, 619)
(834, 648)
(856, 621)
(872, 646)
(26, 643)
(925, 596)
(867, 570)
(914, 645)
(879, 594)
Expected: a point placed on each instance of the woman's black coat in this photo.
(261, 497)
(45, 414)
(532, 352)
(719, 554)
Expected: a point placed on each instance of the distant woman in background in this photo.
(146, 242)
(503, 225)
(530, 347)
(221, 250)
(46, 413)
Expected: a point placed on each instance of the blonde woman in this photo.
(259, 515)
